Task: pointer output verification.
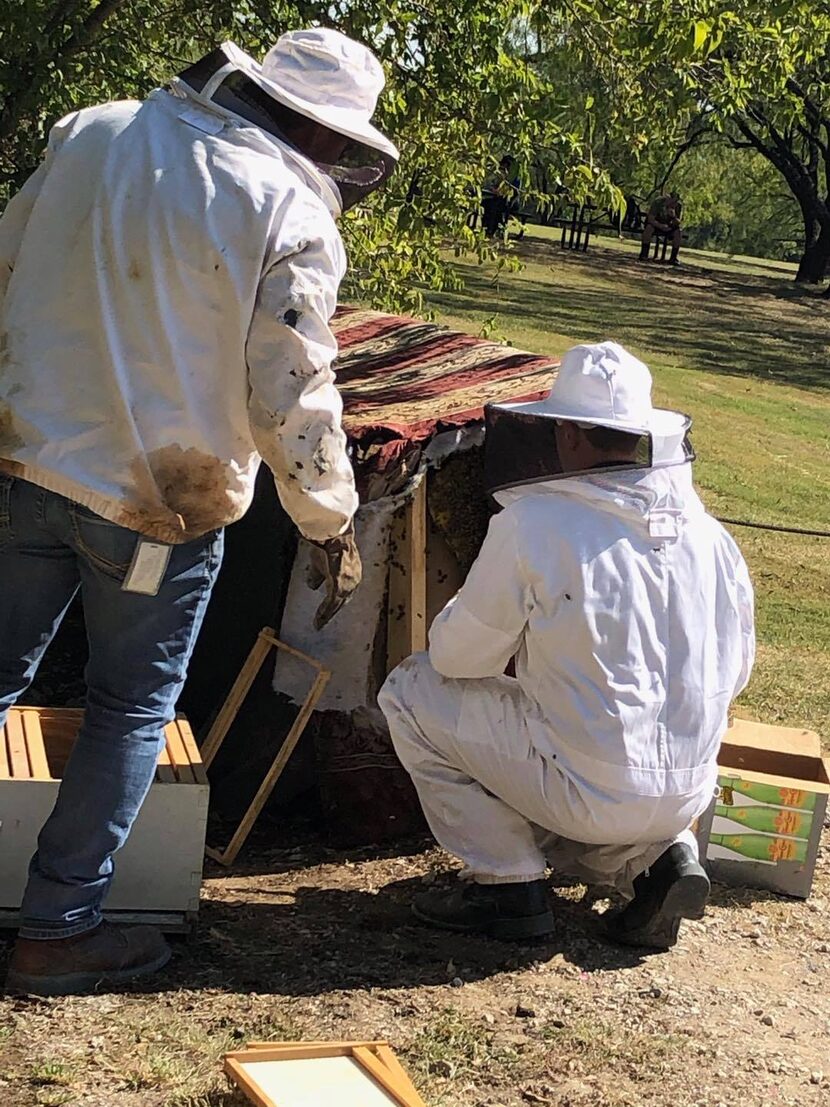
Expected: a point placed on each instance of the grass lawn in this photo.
(747, 355)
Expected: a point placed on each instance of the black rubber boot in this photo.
(507, 911)
(675, 887)
(644, 249)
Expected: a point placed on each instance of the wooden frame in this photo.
(376, 1058)
(407, 598)
(266, 641)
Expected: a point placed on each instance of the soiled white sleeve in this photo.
(294, 408)
(481, 629)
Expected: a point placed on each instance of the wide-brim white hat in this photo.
(325, 76)
(603, 385)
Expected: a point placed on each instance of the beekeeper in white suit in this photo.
(166, 282)
(628, 612)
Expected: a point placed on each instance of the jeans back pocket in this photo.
(104, 545)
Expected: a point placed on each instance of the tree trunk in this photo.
(816, 255)
(813, 265)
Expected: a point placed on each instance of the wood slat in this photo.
(5, 769)
(388, 1058)
(165, 773)
(178, 754)
(34, 744)
(199, 774)
(417, 557)
(276, 1047)
(18, 757)
(390, 1080)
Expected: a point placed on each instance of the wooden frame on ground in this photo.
(376, 1059)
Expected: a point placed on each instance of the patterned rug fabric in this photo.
(403, 379)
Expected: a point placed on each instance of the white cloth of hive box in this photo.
(346, 644)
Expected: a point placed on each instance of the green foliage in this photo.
(589, 96)
(735, 201)
(756, 72)
(457, 99)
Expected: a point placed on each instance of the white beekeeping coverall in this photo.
(629, 612)
(180, 328)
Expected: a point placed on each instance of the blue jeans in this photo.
(139, 648)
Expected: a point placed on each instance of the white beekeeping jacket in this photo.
(166, 281)
(630, 613)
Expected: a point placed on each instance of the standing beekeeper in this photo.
(628, 613)
(167, 277)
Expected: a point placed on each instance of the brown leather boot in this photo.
(68, 966)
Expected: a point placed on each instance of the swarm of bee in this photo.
(459, 506)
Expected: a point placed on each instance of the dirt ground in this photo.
(305, 942)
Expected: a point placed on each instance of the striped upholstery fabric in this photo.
(406, 379)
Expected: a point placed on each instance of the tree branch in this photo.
(812, 108)
(90, 28)
(679, 152)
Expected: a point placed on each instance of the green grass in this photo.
(448, 1047)
(747, 355)
(594, 1047)
(449, 1051)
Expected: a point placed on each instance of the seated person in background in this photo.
(628, 611)
(664, 216)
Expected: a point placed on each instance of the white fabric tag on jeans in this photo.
(148, 567)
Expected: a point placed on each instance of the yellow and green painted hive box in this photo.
(764, 825)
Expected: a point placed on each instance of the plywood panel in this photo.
(398, 624)
(310, 1082)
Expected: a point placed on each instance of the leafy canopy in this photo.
(458, 97)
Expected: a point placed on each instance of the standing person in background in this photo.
(500, 197)
(166, 282)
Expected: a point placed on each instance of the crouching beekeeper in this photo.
(626, 613)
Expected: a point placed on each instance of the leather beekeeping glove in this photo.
(336, 563)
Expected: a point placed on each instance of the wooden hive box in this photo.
(158, 873)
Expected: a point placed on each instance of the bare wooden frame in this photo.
(266, 641)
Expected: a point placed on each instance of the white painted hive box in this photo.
(158, 873)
